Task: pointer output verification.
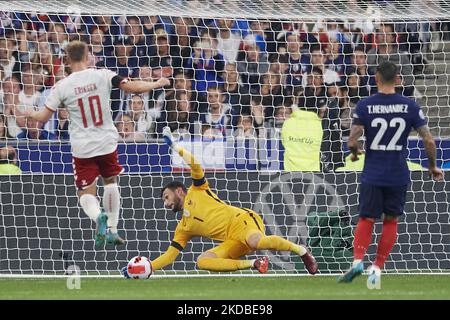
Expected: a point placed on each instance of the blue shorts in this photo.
(375, 200)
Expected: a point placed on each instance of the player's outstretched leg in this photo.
(363, 237)
(91, 207)
(225, 257)
(111, 203)
(263, 242)
(223, 265)
(356, 270)
(101, 230)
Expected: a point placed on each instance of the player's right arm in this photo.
(165, 259)
(430, 148)
(356, 132)
(139, 86)
(179, 241)
(197, 173)
(132, 86)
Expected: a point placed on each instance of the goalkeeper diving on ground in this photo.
(240, 230)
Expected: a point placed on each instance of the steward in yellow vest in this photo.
(302, 136)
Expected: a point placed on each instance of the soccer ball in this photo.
(139, 267)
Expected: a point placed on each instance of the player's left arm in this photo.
(42, 115)
(420, 124)
(430, 148)
(198, 175)
(51, 105)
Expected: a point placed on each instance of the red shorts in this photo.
(87, 170)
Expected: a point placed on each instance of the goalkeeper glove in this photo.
(124, 272)
(167, 135)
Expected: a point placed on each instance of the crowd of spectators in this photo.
(230, 78)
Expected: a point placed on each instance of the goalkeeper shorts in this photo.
(244, 224)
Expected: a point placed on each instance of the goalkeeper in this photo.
(203, 214)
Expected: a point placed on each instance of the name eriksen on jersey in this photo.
(390, 108)
(84, 89)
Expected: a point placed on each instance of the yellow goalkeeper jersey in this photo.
(204, 215)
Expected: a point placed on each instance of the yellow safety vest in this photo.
(302, 136)
(8, 168)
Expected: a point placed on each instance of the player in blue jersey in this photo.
(386, 119)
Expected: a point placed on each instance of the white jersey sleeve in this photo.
(108, 75)
(54, 100)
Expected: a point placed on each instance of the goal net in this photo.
(238, 71)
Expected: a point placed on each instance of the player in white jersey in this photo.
(85, 93)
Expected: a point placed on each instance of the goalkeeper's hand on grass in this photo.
(167, 135)
(124, 272)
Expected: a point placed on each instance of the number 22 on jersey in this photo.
(383, 124)
(94, 105)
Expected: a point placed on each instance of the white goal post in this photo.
(262, 59)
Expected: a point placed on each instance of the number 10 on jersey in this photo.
(97, 119)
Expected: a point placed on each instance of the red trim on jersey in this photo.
(52, 110)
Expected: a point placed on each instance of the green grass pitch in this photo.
(223, 288)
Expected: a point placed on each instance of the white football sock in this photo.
(376, 269)
(111, 204)
(90, 205)
(302, 250)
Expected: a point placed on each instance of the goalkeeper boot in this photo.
(100, 231)
(114, 238)
(374, 279)
(309, 262)
(352, 273)
(262, 264)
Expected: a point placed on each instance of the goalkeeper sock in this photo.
(279, 244)
(363, 238)
(111, 203)
(219, 264)
(387, 241)
(90, 205)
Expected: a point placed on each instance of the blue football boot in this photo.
(352, 273)
(100, 231)
(113, 238)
